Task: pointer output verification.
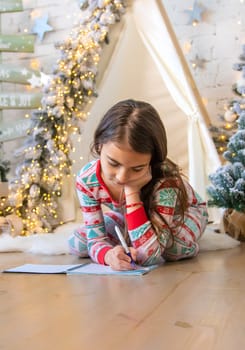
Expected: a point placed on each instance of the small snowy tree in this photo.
(228, 182)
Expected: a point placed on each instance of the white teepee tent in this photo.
(144, 61)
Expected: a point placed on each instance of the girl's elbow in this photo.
(183, 253)
(151, 257)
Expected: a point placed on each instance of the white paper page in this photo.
(97, 269)
(42, 268)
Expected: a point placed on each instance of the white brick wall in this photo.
(218, 38)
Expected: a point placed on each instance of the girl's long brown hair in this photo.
(141, 125)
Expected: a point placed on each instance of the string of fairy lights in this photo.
(37, 186)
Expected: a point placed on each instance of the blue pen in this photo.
(124, 244)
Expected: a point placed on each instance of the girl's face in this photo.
(120, 165)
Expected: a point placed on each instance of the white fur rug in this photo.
(56, 243)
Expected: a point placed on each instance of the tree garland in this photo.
(35, 190)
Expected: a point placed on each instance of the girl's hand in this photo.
(118, 260)
(137, 184)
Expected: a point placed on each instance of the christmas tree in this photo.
(228, 182)
(46, 152)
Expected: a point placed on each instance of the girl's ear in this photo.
(99, 148)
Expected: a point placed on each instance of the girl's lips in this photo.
(118, 183)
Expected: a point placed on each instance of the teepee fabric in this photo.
(157, 34)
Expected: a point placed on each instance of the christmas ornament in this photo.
(230, 116)
(41, 27)
(195, 13)
(35, 81)
(198, 62)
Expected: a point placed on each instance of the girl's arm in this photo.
(97, 239)
(171, 243)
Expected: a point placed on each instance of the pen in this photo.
(124, 244)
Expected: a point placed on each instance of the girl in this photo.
(161, 215)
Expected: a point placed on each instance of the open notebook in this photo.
(78, 269)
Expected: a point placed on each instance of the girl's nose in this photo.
(121, 176)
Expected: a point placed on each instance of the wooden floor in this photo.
(194, 304)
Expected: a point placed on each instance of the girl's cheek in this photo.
(135, 176)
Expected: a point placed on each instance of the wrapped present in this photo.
(11, 224)
(234, 224)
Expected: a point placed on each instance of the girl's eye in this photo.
(113, 164)
(137, 169)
